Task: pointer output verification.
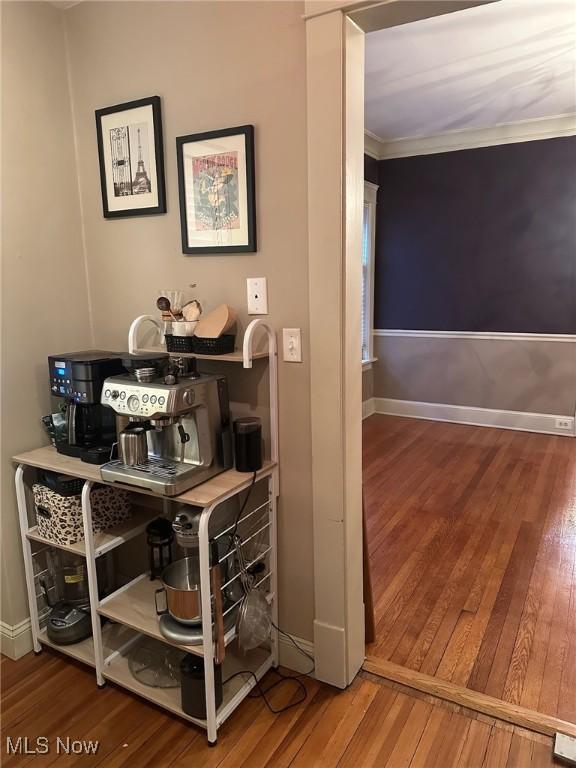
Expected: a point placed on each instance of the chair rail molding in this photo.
(487, 335)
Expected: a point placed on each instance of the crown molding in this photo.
(373, 145)
(452, 141)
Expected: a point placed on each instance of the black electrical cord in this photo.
(261, 691)
(241, 512)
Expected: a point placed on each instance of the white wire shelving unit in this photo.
(129, 612)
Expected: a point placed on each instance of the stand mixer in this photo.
(173, 427)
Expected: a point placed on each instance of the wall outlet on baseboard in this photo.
(563, 423)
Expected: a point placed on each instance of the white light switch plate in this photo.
(292, 344)
(257, 296)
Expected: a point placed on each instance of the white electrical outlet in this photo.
(257, 295)
(563, 423)
(292, 343)
(565, 748)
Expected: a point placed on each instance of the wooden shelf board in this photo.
(113, 637)
(49, 458)
(210, 492)
(83, 651)
(118, 672)
(214, 490)
(232, 357)
(134, 607)
(107, 540)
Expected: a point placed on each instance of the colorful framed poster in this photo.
(131, 158)
(217, 191)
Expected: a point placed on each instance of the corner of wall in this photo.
(89, 304)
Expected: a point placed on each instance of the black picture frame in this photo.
(112, 207)
(247, 217)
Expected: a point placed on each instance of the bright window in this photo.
(368, 250)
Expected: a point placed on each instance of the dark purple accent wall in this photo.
(370, 169)
(479, 240)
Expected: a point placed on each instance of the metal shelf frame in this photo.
(105, 665)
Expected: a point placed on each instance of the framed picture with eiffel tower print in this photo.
(217, 192)
(131, 157)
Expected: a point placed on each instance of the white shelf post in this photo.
(247, 354)
(92, 581)
(207, 635)
(27, 550)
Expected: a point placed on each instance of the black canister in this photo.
(248, 444)
(193, 686)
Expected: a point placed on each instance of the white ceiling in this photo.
(509, 61)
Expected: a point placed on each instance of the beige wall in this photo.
(42, 257)
(213, 68)
(527, 376)
(367, 384)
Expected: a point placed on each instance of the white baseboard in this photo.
(16, 640)
(291, 657)
(368, 408)
(331, 662)
(481, 417)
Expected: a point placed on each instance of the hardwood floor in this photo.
(472, 539)
(371, 725)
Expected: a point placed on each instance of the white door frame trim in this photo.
(335, 94)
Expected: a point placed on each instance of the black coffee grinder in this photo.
(79, 425)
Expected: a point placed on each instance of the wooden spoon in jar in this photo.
(163, 304)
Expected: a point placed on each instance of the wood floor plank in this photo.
(498, 748)
(407, 742)
(520, 755)
(301, 730)
(372, 723)
(474, 750)
(343, 734)
(436, 723)
(450, 743)
(476, 557)
(362, 746)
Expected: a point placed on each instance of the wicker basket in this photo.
(221, 346)
(179, 343)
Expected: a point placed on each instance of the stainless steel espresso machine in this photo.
(173, 425)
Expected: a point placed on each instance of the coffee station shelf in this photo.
(204, 495)
(130, 610)
(133, 605)
(106, 540)
(233, 357)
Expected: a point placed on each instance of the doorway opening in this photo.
(469, 376)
